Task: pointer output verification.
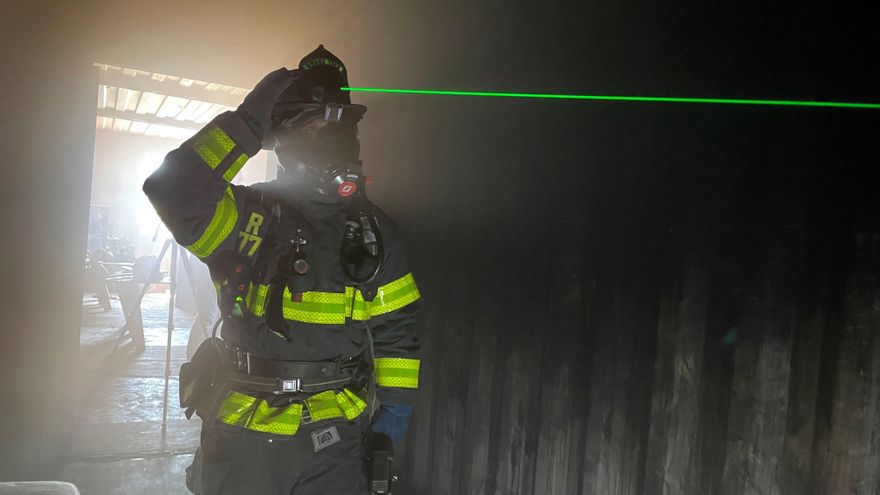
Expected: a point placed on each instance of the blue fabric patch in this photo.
(393, 420)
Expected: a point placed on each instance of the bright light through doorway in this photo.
(148, 220)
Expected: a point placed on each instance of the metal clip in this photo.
(299, 241)
(333, 112)
(300, 265)
(243, 360)
(289, 386)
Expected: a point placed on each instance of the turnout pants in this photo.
(322, 457)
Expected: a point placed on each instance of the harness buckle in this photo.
(289, 386)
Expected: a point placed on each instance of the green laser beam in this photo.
(723, 101)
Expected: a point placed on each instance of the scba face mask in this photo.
(321, 159)
(314, 131)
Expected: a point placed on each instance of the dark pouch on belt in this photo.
(197, 377)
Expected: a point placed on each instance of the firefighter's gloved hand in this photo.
(393, 420)
(257, 105)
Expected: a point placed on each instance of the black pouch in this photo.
(380, 463)
(198, 376)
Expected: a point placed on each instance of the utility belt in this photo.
(289, 377)
(216, 362)
(302, 392)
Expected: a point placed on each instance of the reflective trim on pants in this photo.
(239, 409)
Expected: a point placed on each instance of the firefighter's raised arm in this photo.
(191, 190)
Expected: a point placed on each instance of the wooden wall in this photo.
(701, 321)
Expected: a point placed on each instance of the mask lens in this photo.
(319, 154)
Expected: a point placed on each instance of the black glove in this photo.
(257, 105)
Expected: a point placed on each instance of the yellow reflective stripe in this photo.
(242, 410)
(389, 297)
(316, 307)
(355, 306)
(360, 309)
(397, 372)
(207, 155)
(394, 295)
(256, 299)
(221, 225)
(323, 406)
(329, 405)
(349, 300)
(236, 166)
(332, 308)
(213, 146)
(277, 420)
(333, 298)
(236, 409)
(352, 406)
(405, 282)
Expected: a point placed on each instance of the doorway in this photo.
(131, 437)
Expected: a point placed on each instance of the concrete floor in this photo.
(119, 446)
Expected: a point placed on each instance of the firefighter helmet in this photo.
(314, 129)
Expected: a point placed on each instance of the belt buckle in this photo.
(288, 386)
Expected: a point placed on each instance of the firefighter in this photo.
(317, 346)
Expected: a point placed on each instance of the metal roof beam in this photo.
(168, 88)
(148, 118)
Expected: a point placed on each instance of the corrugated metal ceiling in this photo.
(161, 105)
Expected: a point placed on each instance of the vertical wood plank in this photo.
(519, 413)
(677, 453)
(485, 377)
(558, 450)
(850, 463)
(801, 425)
(658, 430)
(453, 374)
(759, 405)
(613, 453)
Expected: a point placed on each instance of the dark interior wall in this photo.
(584, 265)
(627, 338)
